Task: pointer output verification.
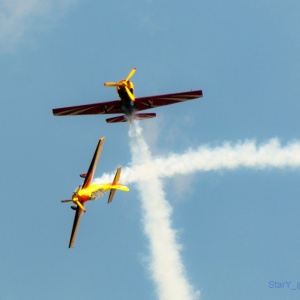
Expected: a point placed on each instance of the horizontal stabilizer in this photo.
(115, 186)
(117, 119)
(121, 187)
(144, 116)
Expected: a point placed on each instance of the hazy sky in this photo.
(234, 226)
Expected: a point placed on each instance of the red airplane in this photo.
(128, 105)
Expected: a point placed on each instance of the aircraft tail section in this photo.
(141, 116)
(117, 119)
(116, 186)
(144, 116)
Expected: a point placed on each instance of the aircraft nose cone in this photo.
(75, 198)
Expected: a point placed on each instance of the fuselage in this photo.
(127, 105)
(91, 193)
(95, 191)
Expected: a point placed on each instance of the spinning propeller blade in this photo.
(79, 204)
(111, 84)
(129, 94)
(130, 74)
(76, 200)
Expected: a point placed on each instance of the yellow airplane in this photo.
(91, 191)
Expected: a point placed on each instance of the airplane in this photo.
(128, 105)
(90, 191)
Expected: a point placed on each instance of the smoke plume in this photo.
(166, 267)
(147, 172)
(247, 154)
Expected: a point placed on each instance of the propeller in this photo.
(130, 74)
(78, 203)
(75, 200)
(124, 84)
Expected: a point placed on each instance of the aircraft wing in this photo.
(90, 174)
(161, 100)
(111, 107)
(75, 227)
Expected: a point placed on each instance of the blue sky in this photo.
(238, 228)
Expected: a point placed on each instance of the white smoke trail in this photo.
(228, 156)
(166, 266)
(147, 172)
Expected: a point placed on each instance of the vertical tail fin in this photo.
(116, 186)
